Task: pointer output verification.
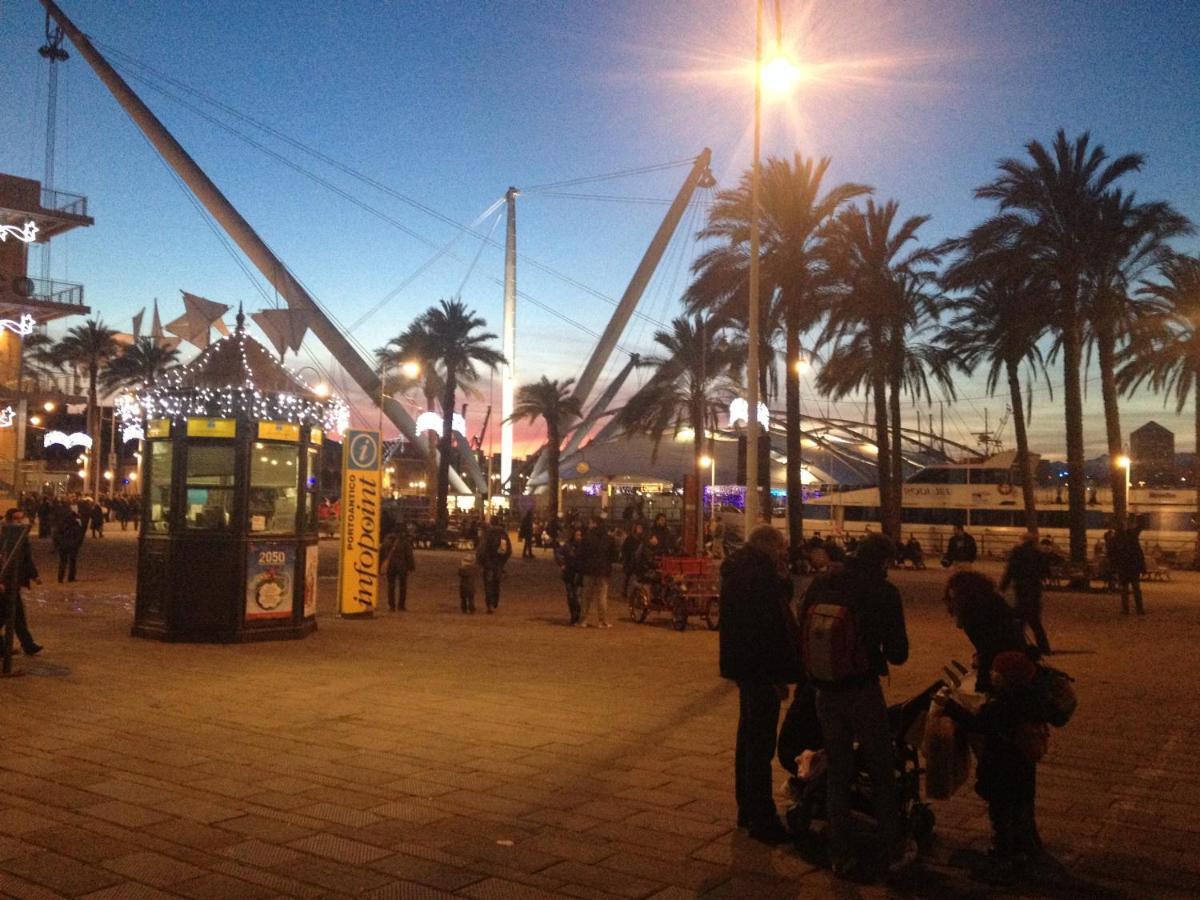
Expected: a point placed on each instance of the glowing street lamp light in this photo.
(410, 369)
(322, 390)
(780, 75)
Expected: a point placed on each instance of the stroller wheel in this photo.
(920, 824)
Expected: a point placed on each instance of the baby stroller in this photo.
(800, 753)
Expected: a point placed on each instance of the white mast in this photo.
(508, 376)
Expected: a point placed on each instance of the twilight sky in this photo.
(450, 103)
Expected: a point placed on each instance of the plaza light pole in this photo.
(1124, 462)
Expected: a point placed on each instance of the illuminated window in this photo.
(312, 485)
(274, 494)
(209, 488)
(158, 485)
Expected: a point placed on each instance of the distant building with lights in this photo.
(1152, 452)
(29, 214)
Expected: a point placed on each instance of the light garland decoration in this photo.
(133, 432)
(739, 411)
(26, 233)
(7, 415)
(62, 439)
(170, 398)
(21, 326)
(431, 421)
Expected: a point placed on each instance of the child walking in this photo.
(1015, 738)
(467, 570)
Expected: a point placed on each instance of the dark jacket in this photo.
(398, 555)
(1002, 764)
(961, 549)
(567, 557)
(525, 532)
(666, 539)
(494, 548)
(1027, 566)
(68, 533)
(992, 628)
(629, 551)
(597, 552)
(1126, 556)
(758, 640)
(877, 608)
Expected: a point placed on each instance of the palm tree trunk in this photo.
(552, 450)
(94, 431)
(1018, 414)
(896, 509)
(442, 514)
(1196, 467)
(697, 469)
(795, 478)
(1106, 349)
(1073, 406)
(431, 465)
(883, 463)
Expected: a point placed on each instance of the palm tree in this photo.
(1130, 240)
(870, 321)
(455, 346)
(998, 324)
(793, 273)
(139, 365)
(551, 401)
(87, 347)
(1164, 348)
(689, 387)
(1048, 209)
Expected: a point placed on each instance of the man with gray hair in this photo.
(853, 627)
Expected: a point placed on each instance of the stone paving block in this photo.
(60, 873)
(277, 800)
(128, 891)
(260, 853)
(335, 876)
(21, 889)
(443, 876)
(407, 890)
(340, 849)
(500, 889)
(277, 883)
(18, 821)
(11, 848)
(672, 823)
(132, 792)
(566, 844)
(604, 879)
(334, 812)
(420, 787)
(80, 843)
(221, 887)
(608, 810)
(689, 873)
(125, 814)
(194, 835)
(196, 809)
(275, 831)
(154, 868)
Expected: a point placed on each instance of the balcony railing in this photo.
(61, 201)
(64, 292)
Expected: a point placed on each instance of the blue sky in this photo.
(449, 103)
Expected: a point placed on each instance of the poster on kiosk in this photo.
(361, 514)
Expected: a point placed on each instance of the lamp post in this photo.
(1124, 462)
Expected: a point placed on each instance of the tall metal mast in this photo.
(53, 53)
(242, 233)
(508, 375)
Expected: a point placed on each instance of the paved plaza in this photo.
(430, 754)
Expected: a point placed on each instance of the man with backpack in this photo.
(852, 628)
(494, 550)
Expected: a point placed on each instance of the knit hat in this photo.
(1017, 669)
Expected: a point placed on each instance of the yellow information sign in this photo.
(361, 512)
(158, 428)
(278, 431)
(213, 428)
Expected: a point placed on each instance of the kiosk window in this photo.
(210, 478)
(274, 492)
(158, 486)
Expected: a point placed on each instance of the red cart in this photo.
(681, 585)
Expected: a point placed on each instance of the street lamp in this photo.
(1124, 462)
(410, 369)
(780, 76)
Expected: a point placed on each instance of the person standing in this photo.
(525, 535)
(494, 551)
(567, 557)
(1027, 568)
(29, 575)
(1129, 564)
(466, 584)
(989, 623)
(597, 553)
(67, 538)
(961, 551)
(96, 520)
(853, 628)
(45, 514)
(629, 554)
(398, 561)
(666, 537)
(760, 652)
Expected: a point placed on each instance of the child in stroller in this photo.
(800, 753)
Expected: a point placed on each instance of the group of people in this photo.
(834, 646)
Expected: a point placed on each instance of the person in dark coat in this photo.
(67, 538)
(45, 515)
(666, 537)
(988, 622)
(525, 535)
(493, 552)
(1129, 564)
(96, 520)
(1015, 737)
(1027, 567)
(398, 561)
(961, 549)
(597, 553)
(29, 575)
(629, 554)
(566, 555)
(852, 709)
(759, 649)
